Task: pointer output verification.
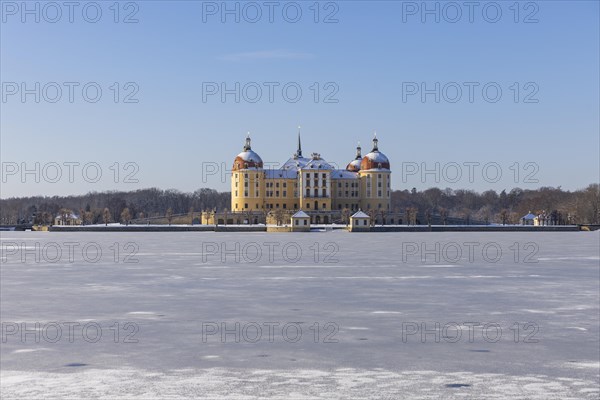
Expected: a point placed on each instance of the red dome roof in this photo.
(247, 158)
(354, 165)
(374, 160)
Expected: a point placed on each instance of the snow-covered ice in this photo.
(361, 301)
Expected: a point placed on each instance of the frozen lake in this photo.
(309, 315)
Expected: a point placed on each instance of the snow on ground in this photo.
(367, 306)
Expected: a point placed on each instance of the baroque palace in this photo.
(311, 184)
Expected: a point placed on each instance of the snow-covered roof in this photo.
(317, 164)
(354, 164)
(300, 214)
(528, 216)
(68, 215)
(343, 174)
(295, 163)
(377, 157)
(359, 214)
(250, 156)
(281, 174)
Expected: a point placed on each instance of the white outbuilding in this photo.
(300, 222)
(360, 222)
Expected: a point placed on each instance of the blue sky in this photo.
(177, 133)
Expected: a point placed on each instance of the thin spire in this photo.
(299, 151)
(247, 146)
(358, 151)
(375, 141)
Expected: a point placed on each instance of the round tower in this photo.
(247, 180)
(375, 178)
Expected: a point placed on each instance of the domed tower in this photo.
(247, 180)
(375, 178)
(354, 165)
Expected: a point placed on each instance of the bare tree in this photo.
(373, 214)
(88, 217)
(106, 216)
(382, 214)
(444, 215)
(346, 216)
(191, 215)
(125, 216)
(279, 216)
(169, 215)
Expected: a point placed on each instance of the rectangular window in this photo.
(277, 184)
(285, 193)
(277, 193)
(284, 205)
(245, 205)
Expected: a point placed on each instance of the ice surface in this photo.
(372, 286)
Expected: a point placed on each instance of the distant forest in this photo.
(581, 206)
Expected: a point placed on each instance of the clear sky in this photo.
(370, 60)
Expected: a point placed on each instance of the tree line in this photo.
(561, 206)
